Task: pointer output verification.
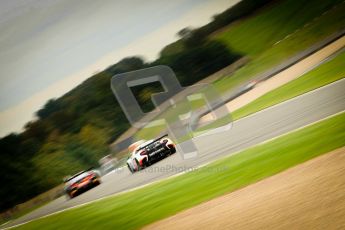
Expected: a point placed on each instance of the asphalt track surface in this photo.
(254, 129)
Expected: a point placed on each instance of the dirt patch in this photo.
(308, 196)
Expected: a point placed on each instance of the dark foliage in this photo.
(72, 132)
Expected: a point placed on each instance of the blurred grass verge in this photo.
(137, 208)
(297, 25)
(30, 205)
(270, 42)
(326, 73)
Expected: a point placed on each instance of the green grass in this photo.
(324, 74)
(135, 209)
(21, 213)
(31, 205)
(264, 54)
(255, 34)
(172, 113)
(149, 132)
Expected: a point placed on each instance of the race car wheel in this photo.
(137, 162)
(96, 182)
(172, 150)
(130, 169)
(147, 163)
(72, 194)
(68, 196)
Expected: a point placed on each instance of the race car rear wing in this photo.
(68, 178)
(157, 139)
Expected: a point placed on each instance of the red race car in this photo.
(81, 182)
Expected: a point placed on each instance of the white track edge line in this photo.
(178, 174)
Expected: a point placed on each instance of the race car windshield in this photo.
(78, 177)
(143, 145)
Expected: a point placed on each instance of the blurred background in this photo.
(58, 114)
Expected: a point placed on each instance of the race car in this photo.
(144, 153)
(81, 182)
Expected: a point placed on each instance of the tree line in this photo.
(73, 132)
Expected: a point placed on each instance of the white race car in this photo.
(144, 153)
